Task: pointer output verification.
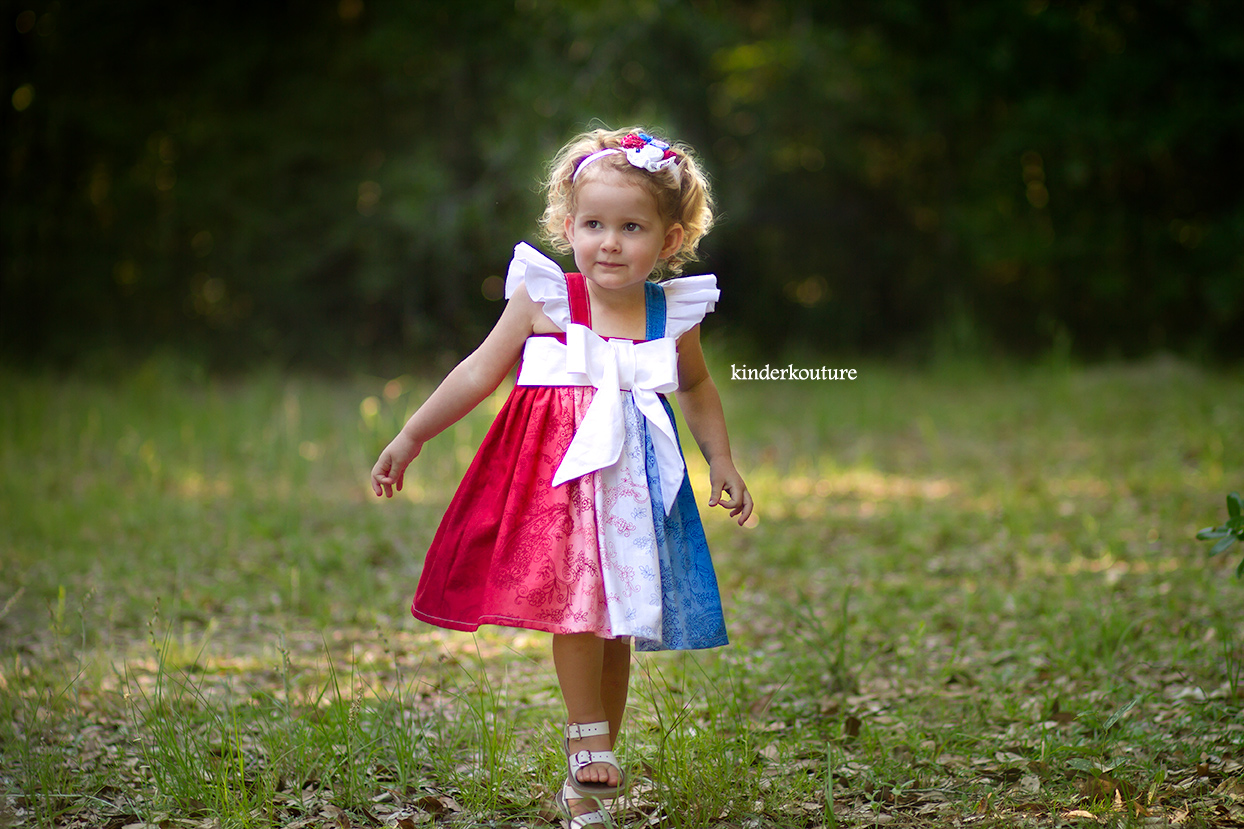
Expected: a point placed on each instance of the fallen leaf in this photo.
(1080, 814)
(120, 821)
(438, 804)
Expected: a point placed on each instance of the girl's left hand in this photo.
(725, 479)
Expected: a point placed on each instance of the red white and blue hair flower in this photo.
(642, 151)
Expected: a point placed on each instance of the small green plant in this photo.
(701, 764)
(31, 741)
(831, 818)
(493, 759)
(827, 642)
(1229, 533)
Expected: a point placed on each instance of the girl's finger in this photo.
(382, 485)
(745, 511)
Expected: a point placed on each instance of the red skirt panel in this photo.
(513, 550)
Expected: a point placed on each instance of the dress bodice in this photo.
(673, 307)
(642, 371)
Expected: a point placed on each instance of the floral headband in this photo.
(642, 151)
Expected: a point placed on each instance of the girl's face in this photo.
(617, 234)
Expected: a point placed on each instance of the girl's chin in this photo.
(615, 281)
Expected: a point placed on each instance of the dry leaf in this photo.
(438, 804)
(1080, 814)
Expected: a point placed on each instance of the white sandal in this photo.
(579, 759)
(597, 818)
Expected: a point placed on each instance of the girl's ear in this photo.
(673, 241)
(568, 229)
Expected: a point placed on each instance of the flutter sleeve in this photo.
(687, 300)
(546, 283)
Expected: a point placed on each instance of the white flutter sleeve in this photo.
(546, 283)
(687, 300)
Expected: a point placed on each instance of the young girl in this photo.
(576, 516)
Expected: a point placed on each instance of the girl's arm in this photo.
(701, 406)
(470, 382)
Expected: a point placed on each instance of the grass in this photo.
(973, 594)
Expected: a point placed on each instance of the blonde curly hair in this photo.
(684, 198)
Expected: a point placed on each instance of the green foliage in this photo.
(334, 179)
(1229, 533)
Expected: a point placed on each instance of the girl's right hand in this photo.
(390, 468)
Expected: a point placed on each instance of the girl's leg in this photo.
(593, 675)
(615, 682)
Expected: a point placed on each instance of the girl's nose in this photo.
(611, 240)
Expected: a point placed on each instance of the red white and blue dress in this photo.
(576, 515)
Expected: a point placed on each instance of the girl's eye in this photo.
(631, 226)
(593, 224)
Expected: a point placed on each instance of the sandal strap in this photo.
(585, 758)
(577, 731)
(599, 817)
(576, 761)
(596, 818)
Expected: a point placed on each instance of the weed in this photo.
(828, 644)
(489, 720)
(1227, 534)
(704, 748)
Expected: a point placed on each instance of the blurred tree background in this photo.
(322, 181)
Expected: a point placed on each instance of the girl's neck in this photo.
(621, 313)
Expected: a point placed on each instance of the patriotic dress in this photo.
(576, 515)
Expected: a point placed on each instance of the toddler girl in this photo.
(576, 516)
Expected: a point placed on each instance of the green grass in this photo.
(972, 593)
